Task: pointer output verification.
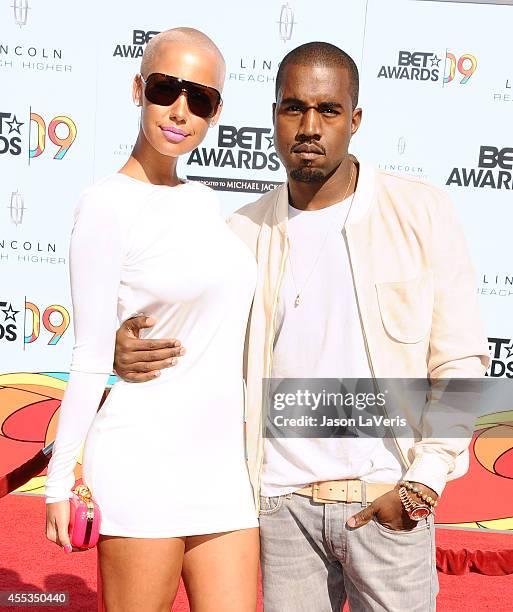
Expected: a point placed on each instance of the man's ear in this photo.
(274, 111)
(137, 90)
(356, 120)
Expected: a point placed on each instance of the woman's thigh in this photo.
(220, 571)
(140, 574)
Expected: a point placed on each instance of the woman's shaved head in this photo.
(185, 37)
(171, 129)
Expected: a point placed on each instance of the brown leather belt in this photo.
(333, 491)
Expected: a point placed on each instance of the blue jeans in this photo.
(311, 562)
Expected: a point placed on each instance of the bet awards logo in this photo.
(53, 321)
(286, 23)
(494, 170)
(20, 9)
(246, 148)
(425, 66)
(501, 352)
(10, 134)
(8, 324)
(416, 65)
(17, 207)
(61, 131)
(135, 49)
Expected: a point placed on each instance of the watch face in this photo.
(420, 513)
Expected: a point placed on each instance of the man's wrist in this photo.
(421, 492)
(430, 469)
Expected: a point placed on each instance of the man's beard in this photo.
(305, 174)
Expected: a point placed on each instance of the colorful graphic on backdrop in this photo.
(28, 322)
(40, 130)
(61, 131)
(29, 406)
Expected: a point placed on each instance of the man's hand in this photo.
(139, 360)
(389, 511)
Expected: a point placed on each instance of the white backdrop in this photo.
(66, 119)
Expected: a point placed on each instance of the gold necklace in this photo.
(297, 301)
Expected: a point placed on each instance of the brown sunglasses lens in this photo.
(164, 90)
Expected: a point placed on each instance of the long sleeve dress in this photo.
(164, 458)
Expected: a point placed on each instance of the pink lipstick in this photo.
(174, 135)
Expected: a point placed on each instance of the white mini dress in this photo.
(164, 458)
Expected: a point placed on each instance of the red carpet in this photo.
(29, 563)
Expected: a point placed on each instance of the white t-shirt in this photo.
(321, 338)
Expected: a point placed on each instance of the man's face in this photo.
(313, 121)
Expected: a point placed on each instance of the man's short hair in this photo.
(324, 54)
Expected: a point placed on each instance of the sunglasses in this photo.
(164, 90)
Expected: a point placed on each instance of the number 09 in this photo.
(57, 329)
(466, 65)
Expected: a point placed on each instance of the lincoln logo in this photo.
(21, 8)
(286, 22)
(17, 207)
(401, 145)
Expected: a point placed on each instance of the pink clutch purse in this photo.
(84, 518)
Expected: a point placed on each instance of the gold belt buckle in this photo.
(315, 492)
(316, 498)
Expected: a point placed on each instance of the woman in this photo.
(164, 459)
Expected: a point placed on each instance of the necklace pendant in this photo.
(296, 301)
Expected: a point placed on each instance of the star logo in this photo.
(435, 61)
(10, 313)
(14, 125)
(270, 140)
(510, 350)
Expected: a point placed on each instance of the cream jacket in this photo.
(416, 297)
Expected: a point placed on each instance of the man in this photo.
(362, 274)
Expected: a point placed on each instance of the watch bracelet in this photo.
(410, 504)
(414, 489)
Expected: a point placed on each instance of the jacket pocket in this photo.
(406, 308)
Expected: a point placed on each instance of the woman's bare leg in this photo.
(140, 574)
(220, 571)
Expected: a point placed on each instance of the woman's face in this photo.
(174, 130)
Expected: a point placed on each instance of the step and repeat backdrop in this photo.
(437, 99)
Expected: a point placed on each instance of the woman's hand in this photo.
(57, 521)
